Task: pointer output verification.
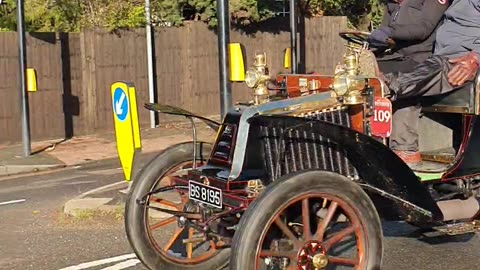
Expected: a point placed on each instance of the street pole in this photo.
(22, 60)
(223, 40)
(151, 86)
(293, 34)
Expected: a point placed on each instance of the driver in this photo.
(411, 25)
(455, 61)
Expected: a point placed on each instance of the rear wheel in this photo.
(309, 220)
(156, 237)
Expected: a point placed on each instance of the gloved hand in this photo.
(378, 37)
(465, 68)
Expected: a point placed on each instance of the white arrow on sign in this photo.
(118, 104)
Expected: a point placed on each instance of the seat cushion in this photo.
(459, 101)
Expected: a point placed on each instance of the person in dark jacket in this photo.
(411, 25)
(455, 61)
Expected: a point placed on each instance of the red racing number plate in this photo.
(381, 121)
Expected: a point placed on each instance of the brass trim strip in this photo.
(447, 109)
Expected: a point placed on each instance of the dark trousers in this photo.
(428, 78)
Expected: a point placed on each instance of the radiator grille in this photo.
(298, 149)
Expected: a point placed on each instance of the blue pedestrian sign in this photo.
(120, 104)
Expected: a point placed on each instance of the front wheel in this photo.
(158, 239)
(309, 220)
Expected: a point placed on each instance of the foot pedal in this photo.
(460, 228)
(446, 155)
(429, 167)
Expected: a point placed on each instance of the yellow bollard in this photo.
(287, 62)
(237, 69)
(31, 80)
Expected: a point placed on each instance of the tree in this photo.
(243, 12)
(73, 15)
(7, 15)
(113, 14)
(360, 13)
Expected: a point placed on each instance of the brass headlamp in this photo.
(257, 77)
(348, 84)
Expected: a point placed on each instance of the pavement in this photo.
(48, 156)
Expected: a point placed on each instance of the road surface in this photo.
(34, 233)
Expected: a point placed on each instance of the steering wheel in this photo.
(355, 36)
(361, 37)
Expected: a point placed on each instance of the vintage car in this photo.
(301, 177)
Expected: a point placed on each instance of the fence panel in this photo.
(74, 95)
(323, 46)
(9, 96)
(46, 105)
(75, 71)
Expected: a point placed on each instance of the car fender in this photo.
(390, 182)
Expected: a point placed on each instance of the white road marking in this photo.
(80, 182)
(42, 184)
(106, 171)
(97, 190)
(61, 179)
(12, 202)
(123, 265)
(100, 262)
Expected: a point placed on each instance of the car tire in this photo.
(261, 212)
(135, 224)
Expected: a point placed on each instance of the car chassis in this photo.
(288, 167)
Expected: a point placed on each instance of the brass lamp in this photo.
(257, 77)
(348, 83)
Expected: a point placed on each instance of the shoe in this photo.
(411, 158)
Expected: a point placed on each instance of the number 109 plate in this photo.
(381, 121)
(205, 194)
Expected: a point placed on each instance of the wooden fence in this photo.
(75, 71)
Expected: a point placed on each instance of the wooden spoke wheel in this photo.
(177, 242)
(309, 221)
(162, 240)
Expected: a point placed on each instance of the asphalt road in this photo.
(34, 233)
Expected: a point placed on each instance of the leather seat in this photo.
(459, 101)
(463, 100)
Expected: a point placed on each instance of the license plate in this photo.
(205, 194)
(381, 121)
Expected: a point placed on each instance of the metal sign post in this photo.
(151, 85)
(223, 40)
(293, 34)
(22, 63)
